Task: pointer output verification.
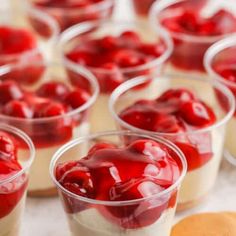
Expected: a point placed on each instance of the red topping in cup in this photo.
(176, 111)
(51, 99)
(103, 175)
(185, 22)
(10, 192)
(107, 57)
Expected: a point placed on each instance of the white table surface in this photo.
(45, 217)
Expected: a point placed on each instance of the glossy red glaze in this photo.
(51, 99)
(227, 70)
(106, 57)
(103, 175)
(77, 11)
(188, 54)
(176, 111)
(18, 46)
(10, 192)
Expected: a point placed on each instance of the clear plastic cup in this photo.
(13, 189)
(189, 50)
(100, 117)
(49, 133)
(93, 217)
(222, 56)
(40, 25)
(67, 17)
(202, 147)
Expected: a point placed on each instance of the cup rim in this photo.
(78, 29)
(212, 52)
(161, 5)
(104, 4)
(28, 141)
(80, 140)
(141, 79)
(79, 70)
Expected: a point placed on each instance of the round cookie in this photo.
(207, 224)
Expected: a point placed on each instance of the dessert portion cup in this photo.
(109, 78)
(220, 63)
(202, 146)
(51, 131)
(13, 188)
(69, 14)
(192, 38)
(41, 32)
(152, 215)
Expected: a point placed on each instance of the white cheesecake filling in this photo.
(39, 178)
(10, 224)
(91, 222)
(230, 137)
(199, 182)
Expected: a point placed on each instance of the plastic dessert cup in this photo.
(220, 63)
(50, 110)
(194, 26)
(150, 215)
(69, 13)
(36, 33)
(202, 146)
(111, 74)
(14, 185)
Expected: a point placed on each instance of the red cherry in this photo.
(99, 146)
(18, 109)
(13, 40)
(7, 147)
(147, 147)
(9, 90)
(77, 98)
(111, 79)
(79, 180)
(55, 90)
(197, 113)
(168, 124)
(53, 109)
(130, 39)
(62, 169)
(109, 42)
(153, 49)
(80, 57)
(181, 94)
(127, 58)
(136, 215)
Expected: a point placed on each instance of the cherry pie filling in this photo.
(188, 54)
(227, 70)
(10, 192)
(68, 13)
(52, 101)
(103, 175)
(19, 45)
(176, 111)
(109, 56)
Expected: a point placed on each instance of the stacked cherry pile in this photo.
(153, 170)
(68, 13)
(10, 193)
(176, 111)
(51, 99)
(107, 57)
(188, 54)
